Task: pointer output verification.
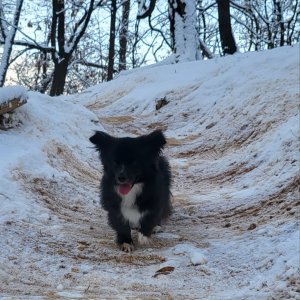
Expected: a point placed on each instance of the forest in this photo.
(65, 46)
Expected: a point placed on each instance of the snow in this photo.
(232, 126)
(141, 7)
(12, 92)
(197, 258)
(194, 254)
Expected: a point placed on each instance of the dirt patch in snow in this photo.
(63, 158)
(271, 210)
(117, 119)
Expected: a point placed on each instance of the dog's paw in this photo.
(144, 240)
(127, 247)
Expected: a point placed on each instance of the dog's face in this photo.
(129, 160)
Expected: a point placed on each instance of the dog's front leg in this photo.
(148, 222)
(122, 230)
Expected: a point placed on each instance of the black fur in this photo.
(128, 162)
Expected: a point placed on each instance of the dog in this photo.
(135, 187)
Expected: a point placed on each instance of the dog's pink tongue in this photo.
(124, 189)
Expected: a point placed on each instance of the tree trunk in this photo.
(280, 22)
(59, 77)
(124, 35)
(112, 37)
(8, 36)
(226, 35)
(5, 58)
(184, 37)
(62, 57)
(175, 7)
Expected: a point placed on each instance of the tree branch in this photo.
(60, 12)
(148, 11)
(89, 64)
(159, 31)
(83, 27)
(33, 45)
(3, 27)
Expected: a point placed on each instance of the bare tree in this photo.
(267, 23)
(185, 42)
(227, 39)
(8, 32)
(123, 35)
(112, 40)
(66, 46)
(88, 64)
(63, 37)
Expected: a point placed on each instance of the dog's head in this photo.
(129, 160)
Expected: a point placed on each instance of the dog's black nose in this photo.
(121, 178)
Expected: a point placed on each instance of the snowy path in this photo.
(234, 232)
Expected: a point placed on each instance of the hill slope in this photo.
(233, 128)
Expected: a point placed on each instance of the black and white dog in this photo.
(135, 187)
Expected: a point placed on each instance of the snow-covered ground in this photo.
(233, 142)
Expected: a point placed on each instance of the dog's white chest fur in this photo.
(129, 208)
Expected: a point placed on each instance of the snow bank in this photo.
(12, 92)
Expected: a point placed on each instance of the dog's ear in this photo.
(101, 139)
(156, 141)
